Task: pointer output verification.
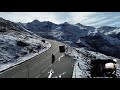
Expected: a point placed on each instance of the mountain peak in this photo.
(2, 19)
(65, 23)
(107, 27)
(84, 26)
(79, 24)
(36, 21)
(48, 22)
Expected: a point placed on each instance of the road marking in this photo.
(38, 75)
(44, 70)
(61, 74)
(61, 57)
(51, 72)
(51, 65)
(55, 77)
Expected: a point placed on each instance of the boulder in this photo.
(22, 43)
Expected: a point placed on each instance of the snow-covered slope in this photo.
(17, 44)
(83, 57)
(104, 39)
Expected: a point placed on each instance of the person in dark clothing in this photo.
(53, 58)
(78, 65)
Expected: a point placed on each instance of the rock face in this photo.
(22, 44)
(104, 39)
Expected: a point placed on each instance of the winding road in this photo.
(40, 66)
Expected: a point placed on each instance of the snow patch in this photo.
(23, 59)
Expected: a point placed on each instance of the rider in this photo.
(53, 58)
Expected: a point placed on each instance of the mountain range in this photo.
(105, 39)
(21, 41)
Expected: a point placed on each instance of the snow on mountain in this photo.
(17, 44)
(106, 29)
(105, 39)
(115, 31)
(56, 34)
(100, 43)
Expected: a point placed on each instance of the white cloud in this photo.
(87, 18)
(106, 21)
(115, 24)
(80, 16)
(28, 16)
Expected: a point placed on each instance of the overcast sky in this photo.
(87, 18)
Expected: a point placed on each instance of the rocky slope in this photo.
(17, 45)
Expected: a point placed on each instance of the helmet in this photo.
(109, 66)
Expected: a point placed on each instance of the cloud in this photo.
(80, 16)
(86, 18)
(28, 16)
(108, 21)
(115, 24)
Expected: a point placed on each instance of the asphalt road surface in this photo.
(62, 68)
(40, 65)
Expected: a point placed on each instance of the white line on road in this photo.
(51, 72)
(51, 64)
(61, 74)
(38, 75)
(61, 57)
(44, 70)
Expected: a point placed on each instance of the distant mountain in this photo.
(105, 39)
